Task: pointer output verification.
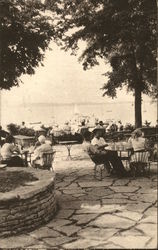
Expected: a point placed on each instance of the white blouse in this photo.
(138, 143)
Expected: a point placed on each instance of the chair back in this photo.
(94, 159)
(140, 156)
(99, 166)
(140, 162)
(48, 158)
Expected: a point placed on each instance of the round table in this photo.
(124, 152)
(23, 140)
(68, 145)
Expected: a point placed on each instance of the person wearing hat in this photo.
(42, 148)
(83, 128)
(98, 140)
(119, 126)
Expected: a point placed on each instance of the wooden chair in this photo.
(125, 156)
(139, 162)
(98, 168)
(47, 158)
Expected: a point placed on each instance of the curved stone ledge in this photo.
(27, 207)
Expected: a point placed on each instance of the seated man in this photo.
(98, 140)
(100, 143)
(102, 156)
(3, 135)
(39, 150)
(9, 153)
(83, 128)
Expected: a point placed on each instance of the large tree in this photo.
(122, 32)
(25, 33)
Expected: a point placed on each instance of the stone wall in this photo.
(29, 206)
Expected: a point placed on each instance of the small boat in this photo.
(34, 123)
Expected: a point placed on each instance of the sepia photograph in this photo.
(78, 124)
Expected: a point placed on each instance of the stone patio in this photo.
(109, 214)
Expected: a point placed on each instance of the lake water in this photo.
(46, 113)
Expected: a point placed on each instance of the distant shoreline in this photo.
(79, 103)
(59, 112)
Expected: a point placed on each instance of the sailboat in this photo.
(75, 116)
(76, 110)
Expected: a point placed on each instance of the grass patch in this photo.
(9, 180)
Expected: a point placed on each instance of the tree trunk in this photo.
(137, 78)
(138, 108)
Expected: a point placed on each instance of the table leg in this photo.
(25, 160)
(69, 150)
(29, 159)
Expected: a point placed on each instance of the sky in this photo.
(62, 80)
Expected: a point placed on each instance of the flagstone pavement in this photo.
(115, 213)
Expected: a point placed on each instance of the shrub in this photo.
(147, 124)
(27, 132)
(13, 129)
(129, 127)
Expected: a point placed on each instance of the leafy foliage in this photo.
(147, 123)
(15, 129)
(122, 32)
(13, 179)
(129, 127)
(26, 131)
(25, 33)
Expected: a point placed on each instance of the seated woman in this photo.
(137, 141)
(9, 151)
(102, 156)
(139, 145)
(39, 150)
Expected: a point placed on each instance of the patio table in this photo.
(124, 152)
(24, 140)
(68, 145)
